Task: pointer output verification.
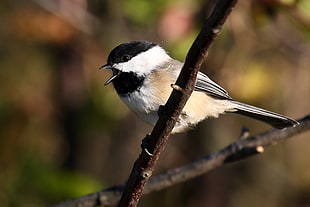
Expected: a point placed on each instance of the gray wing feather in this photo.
(205, 84)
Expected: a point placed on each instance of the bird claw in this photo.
(145, 144)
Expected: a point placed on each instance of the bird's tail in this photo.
(274, 119)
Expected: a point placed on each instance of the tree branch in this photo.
(156, 141)
(240, 149)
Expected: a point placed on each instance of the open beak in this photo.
(115, 72)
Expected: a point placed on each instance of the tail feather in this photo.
(274, 119)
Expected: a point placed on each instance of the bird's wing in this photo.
(205, 84)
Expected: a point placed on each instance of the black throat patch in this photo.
(127, 82)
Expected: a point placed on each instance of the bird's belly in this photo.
(199, 107)
(143, 105)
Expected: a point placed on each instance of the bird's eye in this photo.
(125, 58)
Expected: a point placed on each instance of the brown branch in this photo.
(144, 165)
(240, 149)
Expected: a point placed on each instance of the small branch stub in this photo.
(177, 87)
(146, 174)
(245, 133)
(260, 149)
(217, 30)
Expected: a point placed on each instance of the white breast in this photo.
(146, 101)
(142, 103)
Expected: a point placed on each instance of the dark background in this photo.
(64, 134)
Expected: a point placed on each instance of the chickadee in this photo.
(142, 76)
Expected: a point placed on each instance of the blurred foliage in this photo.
(143, 12)
(63, 134)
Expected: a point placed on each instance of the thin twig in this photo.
(240, 149)
(236, 150)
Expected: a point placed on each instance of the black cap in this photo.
(125, 51)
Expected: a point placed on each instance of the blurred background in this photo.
(64, 134)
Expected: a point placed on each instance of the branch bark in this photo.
(240, 149)
(156, 141)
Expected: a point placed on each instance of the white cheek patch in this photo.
(144, 62)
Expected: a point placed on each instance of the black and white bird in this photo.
(142, 76)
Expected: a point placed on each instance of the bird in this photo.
(142, 74)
